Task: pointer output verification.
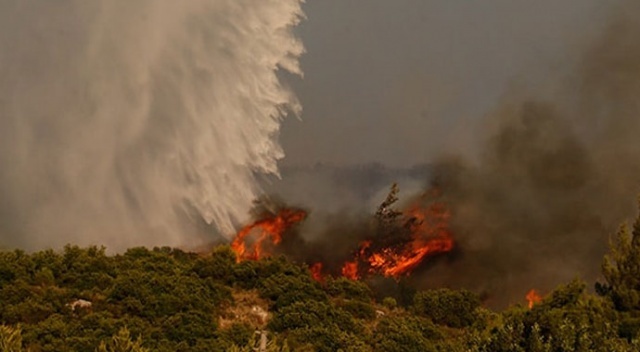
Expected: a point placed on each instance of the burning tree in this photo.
(397, 243)
(403, 239)
(386, 216)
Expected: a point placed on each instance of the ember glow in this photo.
(255, 241)
(533, 298)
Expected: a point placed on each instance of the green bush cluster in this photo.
(165, 299)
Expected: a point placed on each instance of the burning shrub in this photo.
(253, 241)
(402, 240)
(391, 244)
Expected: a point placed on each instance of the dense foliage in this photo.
(164, 299)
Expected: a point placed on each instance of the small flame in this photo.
(350, 270)
(533, 298)
(316, 272)
(270, 228)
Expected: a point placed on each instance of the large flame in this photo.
(429, 235)
(251, 241)
(404, 240)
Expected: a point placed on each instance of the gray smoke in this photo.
(559, 172)
(126, 123)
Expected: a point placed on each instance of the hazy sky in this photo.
(400, 81)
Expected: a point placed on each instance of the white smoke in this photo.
(130, 122)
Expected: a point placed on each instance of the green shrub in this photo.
(400, 334)
(350, 289)
(312, 314)
(447, 307)
(359, 309)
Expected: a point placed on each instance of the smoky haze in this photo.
(139, 123)
(559, 172)
(555, 169)
(401, 82)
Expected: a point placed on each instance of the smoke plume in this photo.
(559, 172)
(138, 123)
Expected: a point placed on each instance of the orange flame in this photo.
(430, 235)
(533, 298)
(316, 272)
(422, 231)
(270, 228)
(350, 270)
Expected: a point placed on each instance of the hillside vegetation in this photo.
(165, 299)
